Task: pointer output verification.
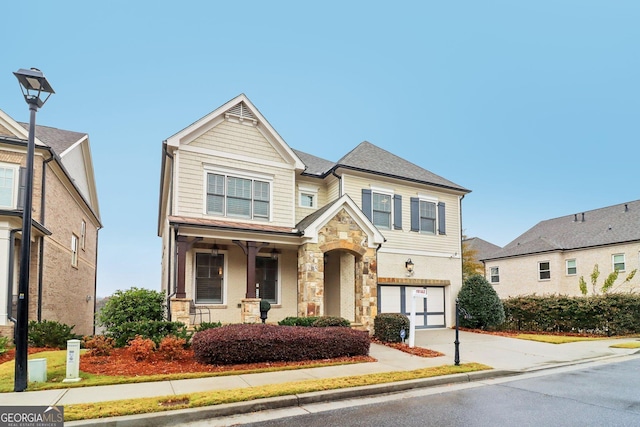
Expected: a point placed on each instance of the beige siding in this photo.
(191, 180)
(405, 239)
(238, 139)
(302, 212)
(519, 275)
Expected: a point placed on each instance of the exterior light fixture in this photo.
(274, 253)
(33, 84)
(215, 251)
(409, 266)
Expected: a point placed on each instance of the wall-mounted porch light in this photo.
(409, 266)
(274, 253)
(215, 251)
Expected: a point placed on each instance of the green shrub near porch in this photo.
(387, 327)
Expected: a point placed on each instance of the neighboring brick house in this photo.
(243, 216)
(66, 220)
(551, 257)
(477, 249)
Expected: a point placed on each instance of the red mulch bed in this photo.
(11, 353)
(416, 351)
(121, 362)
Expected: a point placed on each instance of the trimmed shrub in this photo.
(154, 330)
(327, 321)
(298, 321)
(49, 333)
(141, 348)
(387, 327)
(99, 345)
(172, 348)
(481, 302)
(4, 344)
(251, 343)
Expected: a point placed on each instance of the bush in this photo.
(172, 348)
(298, 321)
(387, 327)
(326, 321)
(152, 329)
(99, 345)
(50, 334)
(206, 325)
(133, 305)
(4, 344)
(141, 348)
(481, 302)
(250, 343)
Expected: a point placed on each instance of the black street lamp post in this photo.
(456, 358)
(32, 83)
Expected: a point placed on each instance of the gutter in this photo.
(41, 248)
(333, 172)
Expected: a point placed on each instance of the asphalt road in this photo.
(600, 394)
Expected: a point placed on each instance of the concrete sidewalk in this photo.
(507, 356)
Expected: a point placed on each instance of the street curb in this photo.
(171, 418)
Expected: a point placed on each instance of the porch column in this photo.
(251, 251)
(183, 246)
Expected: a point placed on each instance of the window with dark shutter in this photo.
(397, 212)
(22, 185)
(415, 213)
(442, 229)
(366, 203)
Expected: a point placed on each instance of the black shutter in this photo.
(397, 212)
(366, 203)
(22, 184)
(415, 214)
(441, 219)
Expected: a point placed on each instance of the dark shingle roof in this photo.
(604, 226)
(58, 139)
(370, 158)
(482, 248)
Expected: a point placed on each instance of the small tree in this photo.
(133, 305)
(470, 263)
(478, 298)
(607, 285)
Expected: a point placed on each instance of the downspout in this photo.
(41, 249)
(333, 172)
(170, 256)
(12, 244)
(95, 284)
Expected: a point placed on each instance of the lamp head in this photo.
(33, 83)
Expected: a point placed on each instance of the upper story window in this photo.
(235, 196)
(8, 185)
(83, 233)
(572, 268)
(428, 215)
(382, 210)
(74, 250)
(544, 270)
(619, 262)
(308, 196)
(495, 275)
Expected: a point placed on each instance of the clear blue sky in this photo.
(533, 105)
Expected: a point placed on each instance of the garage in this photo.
(429, 311)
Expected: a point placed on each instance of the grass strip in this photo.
(633, 344)
(217, 397)
(554, 339)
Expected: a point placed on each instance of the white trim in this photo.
(241, 174)
(384, 250)
(427, 198)
(238, 157)
(83, 234)
(238, 173)
(74, 145)
(613, 262)
(16, 183)
(310, 190)
(383, 190)
(278, 278)
(74, 250)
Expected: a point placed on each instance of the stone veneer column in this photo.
(180, 311)
(310, 280)
(250, 310)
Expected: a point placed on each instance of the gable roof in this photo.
(58, 139)
(367, 157)
(482, 248)
(605, 226)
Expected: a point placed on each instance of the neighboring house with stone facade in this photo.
(244, 217)
(66, 220)
(551, 257)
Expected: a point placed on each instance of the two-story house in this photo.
(551, 257)
(244, 217)
(65, 218)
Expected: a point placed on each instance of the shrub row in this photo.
(322, 321)
(49, 333)
(152, 329)
(251, 343)
(609, 314)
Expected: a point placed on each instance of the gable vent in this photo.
(241, 113)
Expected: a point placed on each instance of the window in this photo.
(382, 210)
(7, 186)
(544, 270)
(83, 233)
(74, 250)
(571, 267)
(308, 196)
(267, 278)
(427, 217)
(618, 262)
(209, 278)
(238, 197)
(495, 275)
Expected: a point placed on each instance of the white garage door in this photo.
(429, 311)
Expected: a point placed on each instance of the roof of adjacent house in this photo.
(482, 248)
(605, 226)
(57, 139)
(368, 157)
